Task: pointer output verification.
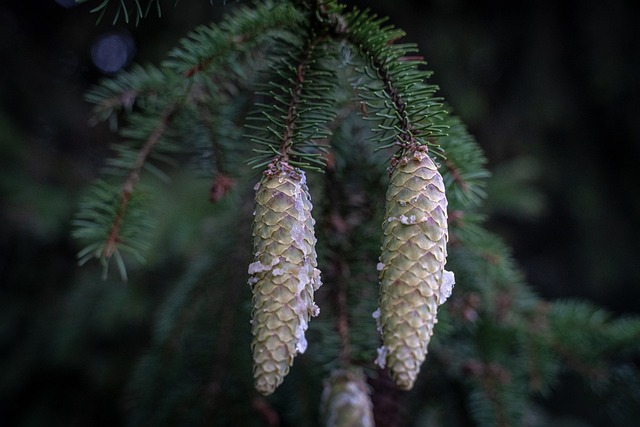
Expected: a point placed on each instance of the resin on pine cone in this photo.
(283, 275)
(413, 281)
(346, 401)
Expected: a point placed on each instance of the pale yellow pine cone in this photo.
(413, 281)
(346, 401)
(283, 275)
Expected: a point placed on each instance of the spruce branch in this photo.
(139, 87)
(463, 166)
(343, 325)
(293, 126)
(141, 94)
(296, 92)
(111, 240)
(595, 340)
(222, 182)
(498, 340)
(207, 47)
(403, 103)
(338, 272)
(113, 236)
(126, 8)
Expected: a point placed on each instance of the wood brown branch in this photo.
(296, 92)
(406, 133)
(113, 237)
(455, 174)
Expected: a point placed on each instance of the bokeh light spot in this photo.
(67, 4)
(112, 51)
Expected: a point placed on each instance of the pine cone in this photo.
(413, 282)
(283, 275)
(346, 402)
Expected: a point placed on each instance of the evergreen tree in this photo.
(339, 128)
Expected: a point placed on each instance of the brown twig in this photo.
(292, 108)
(343, 313)
(266, 411)
(338, 273)
(455, 174)
(113, 237)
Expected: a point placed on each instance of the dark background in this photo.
(549, 88)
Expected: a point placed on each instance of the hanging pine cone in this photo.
(413, 282)
(346, 402)
(283, 275)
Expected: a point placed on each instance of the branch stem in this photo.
(113, 236)
(406, 135)
(296, 92)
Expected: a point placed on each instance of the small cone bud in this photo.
(413, 282)
(283, 275)
(346, 401)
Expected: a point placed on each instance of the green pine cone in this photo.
(413, 282)
(283, 275)
(346, 401)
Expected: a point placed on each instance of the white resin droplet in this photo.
(381, 359)
(376, 315)
(301, 345)
(446, 288)
(257, 267)
(407, 220)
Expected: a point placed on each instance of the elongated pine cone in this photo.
(413, 281)
(346, 401)
(283, 275)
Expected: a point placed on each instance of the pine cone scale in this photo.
(283, 275)
(412, 263)
(346, 401)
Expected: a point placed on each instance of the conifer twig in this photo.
(455, 174)
(133, 177)
(403, 121)
(296, 92)
(490, 377)
(343, 318)
(266, 412)
(403, 88)
(339, 267)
